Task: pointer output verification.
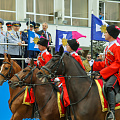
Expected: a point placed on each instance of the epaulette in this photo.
(25, 31)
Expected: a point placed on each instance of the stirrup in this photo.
(108, 113)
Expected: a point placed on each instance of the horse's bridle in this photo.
(10, 71)
(21, 81)
(57, 64)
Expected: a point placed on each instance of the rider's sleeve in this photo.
(98, 65)
(114, 67)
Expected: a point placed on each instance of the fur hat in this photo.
(73, 43)
(43, 42)
(113, 31)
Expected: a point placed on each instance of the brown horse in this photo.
(44, 93)
(83, 93)
(8, 69)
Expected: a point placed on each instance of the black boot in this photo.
(111, 103)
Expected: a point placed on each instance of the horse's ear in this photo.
(9, 57)
(5, 56)
(61, 50)
(32, 62)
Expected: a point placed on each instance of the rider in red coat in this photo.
(44, 56)
(110, 67)
(72, 46)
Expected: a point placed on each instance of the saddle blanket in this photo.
(61, 108)
(104, 102)
(29, 97)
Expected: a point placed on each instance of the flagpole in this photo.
(91, 49)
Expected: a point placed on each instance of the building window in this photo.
(76, 12)
(8, 9)
(40, 10)
(110, 11)
(29, 5)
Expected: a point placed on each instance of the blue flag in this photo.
(63, 36)
(61, 39)
(98, 28)
(32, 41)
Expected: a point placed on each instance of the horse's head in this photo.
(56, 66)
(24, 77)
(8, 69)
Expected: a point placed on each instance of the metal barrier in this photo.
(52, 46)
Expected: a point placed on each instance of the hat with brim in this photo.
(1, 21)
(43, 42)
(16, 23)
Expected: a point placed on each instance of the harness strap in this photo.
(16, 97)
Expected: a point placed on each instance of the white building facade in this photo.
(66, 15)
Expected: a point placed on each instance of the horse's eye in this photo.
(6, 68)
(24, 70)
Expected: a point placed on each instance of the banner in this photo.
(63, 36)
(33, 38)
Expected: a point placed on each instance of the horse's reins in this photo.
(21, 83)
(8, 75)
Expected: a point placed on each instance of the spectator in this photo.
(36, 29)
(14, 37)
(87, 64)
(98, 57)
(3, 48)
(80, 54)
(46, 34)
(9, 26)
(101, 16)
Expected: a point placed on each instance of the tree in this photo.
(98, 47)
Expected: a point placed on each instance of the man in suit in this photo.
(3, 48)
(45, 34)
(14, 37)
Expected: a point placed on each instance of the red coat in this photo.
(111, 65)
(43, 59)
(77, 57)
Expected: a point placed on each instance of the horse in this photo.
(44, 93)
(84, 97)
(8, 69)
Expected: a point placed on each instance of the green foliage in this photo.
(98, 47)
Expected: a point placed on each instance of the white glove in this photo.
(57, 79)
(27, 60)
(91, 62)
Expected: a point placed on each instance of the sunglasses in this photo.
(88, 57)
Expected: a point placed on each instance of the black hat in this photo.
(113, 31)
(37, 25)
(1, 21)
(9, 24)
(32, 23)
(16, 23)
(43, 42)
(74, 44)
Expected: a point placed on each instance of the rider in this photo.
(72, 46)
(44, 56)
(110, 67)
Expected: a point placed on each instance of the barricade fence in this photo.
(23, 59)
